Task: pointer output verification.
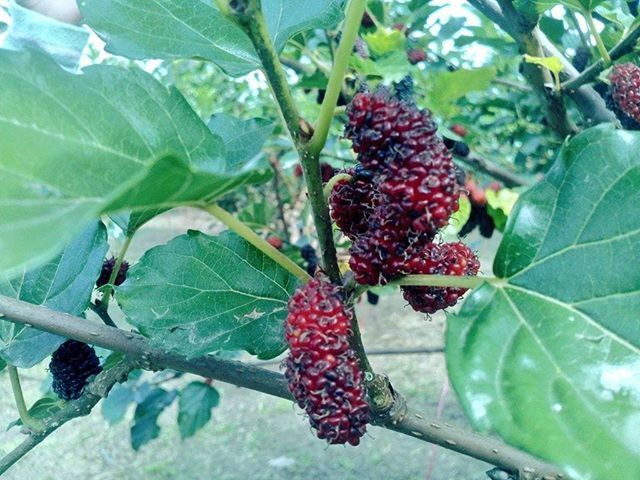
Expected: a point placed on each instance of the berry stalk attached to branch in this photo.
(257, 241)
(248, 14)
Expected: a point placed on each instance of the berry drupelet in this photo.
(322, 368)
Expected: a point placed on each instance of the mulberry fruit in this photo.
(378, 121)
(625, 94)
(308, 254)
(416, 55)
(107, 270)
(438, 259)
(351, 203)
(275, 241)
(71, 365)
(322, 369)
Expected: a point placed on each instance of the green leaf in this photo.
(3, 364)
(447, 87)
(582, 5)
(243, 139)
(384, 41)
(64, 284)
(199, 294)
(196, 402)
(42, 409)
(176, 29)
(145, 427)
(499, 205)
(77, 146)
(550, 357)
(115, 406)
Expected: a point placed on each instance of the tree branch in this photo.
(625, 46)
(390, 412)
(508, 178)
(591, 105)
(93, 393)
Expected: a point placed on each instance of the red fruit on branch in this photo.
(438, 259)
(351, 204)
(416, 55)
(625, 94)
(322, 368)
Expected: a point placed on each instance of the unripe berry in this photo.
(275, 242)
(416, 55)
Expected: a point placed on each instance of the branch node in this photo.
(387, 406)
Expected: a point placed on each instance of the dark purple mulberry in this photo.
(71, 365)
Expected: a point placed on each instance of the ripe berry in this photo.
(297, 170)
(71, 365)
(107, 270)
(378, 121)
(625, 94)
(416, 55)
(308, 254)
(438, 259)
(275, 242)
(351, 203)
(322, 368)
(367, 21)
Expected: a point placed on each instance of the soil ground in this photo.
(252, 435)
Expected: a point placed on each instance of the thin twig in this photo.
(277, 175)
(143, 355)
(509, 179)
(625, 46)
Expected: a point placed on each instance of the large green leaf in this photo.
(549, 358)
(199, 294)
(64, 284)
(177, 29)
(76, 146)
(196, 402)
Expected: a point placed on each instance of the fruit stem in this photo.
(251, 19)
(31, 423)
(257, 241)
(352, 21)
(455, 281)
(599, 43)
(106, 293)
(328, 188)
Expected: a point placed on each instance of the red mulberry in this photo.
(71, 365)
(438, 259)
(416, 55)
(625, 94)
(322, 369)
(352, 203)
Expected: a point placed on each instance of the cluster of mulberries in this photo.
(402, 192)
(71, 365)
(624, 95)
(322, 368)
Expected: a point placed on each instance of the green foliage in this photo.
(243, 139)
(64, 283)
(196, 402)
(548, 358)
(128, 143)
(198, 294)
(43, 408)
(145, 427)
(173, 29)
